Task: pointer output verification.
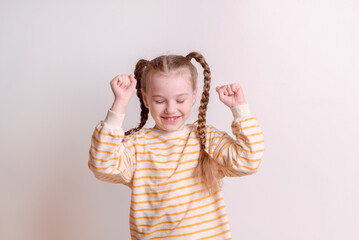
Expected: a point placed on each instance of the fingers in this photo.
(228, 90)
(235, 87)
(225, 90)
(122, 81)
(133, 81)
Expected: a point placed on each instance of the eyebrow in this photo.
(176, 96)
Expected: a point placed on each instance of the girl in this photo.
(174, 169)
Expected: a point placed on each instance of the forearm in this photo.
(119, 106)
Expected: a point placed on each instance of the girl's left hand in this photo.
(231, 95)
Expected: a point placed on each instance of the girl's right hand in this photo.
(123, 87)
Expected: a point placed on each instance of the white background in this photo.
(297, 61)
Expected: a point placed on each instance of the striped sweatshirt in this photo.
(167, 201)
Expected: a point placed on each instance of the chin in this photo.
(171, 128)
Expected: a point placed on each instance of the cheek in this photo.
(187, 107)
(155, 109)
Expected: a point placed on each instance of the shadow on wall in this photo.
(60, 211)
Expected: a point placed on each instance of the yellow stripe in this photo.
(164, 141)
(104, 177)
(166, 191)
(220, 150)
(100, 151)
(247, 135)
(186, 234)
(107, 179)
(178, 213)
(155, 169)
(167, 199)
(98, 168)
(216, 235)
(104, 143)
(112, 159)
(186, 226)
(102, 160)
(247, 159)
(174, 222)
(249, 151)
(174, 161)
(114, 169)
(194, 131)
(126, 159)
(245, 150)
(243, 128)
(146, 144)
(165, 177)
(108, 134)
(133, 236)
(144, 137)
(242, 166)
(244, 120)
(175, 145)
(162, 184)
(246, 142)
(166, 155)
(172, 206)
(183, 145)
(230, 170)
(153, 143)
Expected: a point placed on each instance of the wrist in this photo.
(240, 111)
(119, 106)
(237, 104)
(114, 120)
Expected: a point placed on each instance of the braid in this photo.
(207, 167)
(201, 128)
(141, 64)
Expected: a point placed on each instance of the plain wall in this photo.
(297, 62)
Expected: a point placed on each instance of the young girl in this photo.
(174, 169)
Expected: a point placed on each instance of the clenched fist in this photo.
(231, 95)
(123, 87)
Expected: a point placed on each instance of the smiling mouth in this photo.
(171, 118)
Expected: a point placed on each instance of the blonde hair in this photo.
(207, 168)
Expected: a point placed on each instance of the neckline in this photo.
(179, 133)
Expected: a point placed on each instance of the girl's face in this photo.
(170, 100)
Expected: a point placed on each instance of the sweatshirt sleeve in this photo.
(111, 159)
(240, 156)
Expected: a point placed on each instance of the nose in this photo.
(170, 108)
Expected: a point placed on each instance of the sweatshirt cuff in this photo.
(241, 111)
(114, 119)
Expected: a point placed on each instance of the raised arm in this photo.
(240, 156)
(110, 158)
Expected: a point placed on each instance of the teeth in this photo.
(171, 118)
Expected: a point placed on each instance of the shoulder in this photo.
(136, 136)
(211, 131)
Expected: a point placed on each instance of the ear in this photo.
(144, 98)
(194, 96)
